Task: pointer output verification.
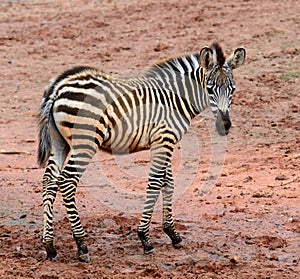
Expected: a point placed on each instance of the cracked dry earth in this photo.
(247, 225)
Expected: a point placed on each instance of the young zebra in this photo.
(84, 110)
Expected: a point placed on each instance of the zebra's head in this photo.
(219, 83)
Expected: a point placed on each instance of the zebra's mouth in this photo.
(221, 130)
(223, 123)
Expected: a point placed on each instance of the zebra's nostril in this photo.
(227, 124)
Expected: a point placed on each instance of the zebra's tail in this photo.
(44, 115)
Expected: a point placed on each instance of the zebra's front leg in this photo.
(67, 186)
(155, 182)
(49, 194)
(168, 223)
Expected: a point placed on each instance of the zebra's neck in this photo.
(184, 77)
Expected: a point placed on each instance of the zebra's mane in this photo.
(218, 54)
(186, 63)
(180, 63)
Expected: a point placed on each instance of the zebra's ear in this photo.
(237, 58)
(206, 58)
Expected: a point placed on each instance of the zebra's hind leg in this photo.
(59, 151)
(49, 194)
(168, 223)
(68, 181)
(152, 194)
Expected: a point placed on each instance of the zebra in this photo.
(85, 110)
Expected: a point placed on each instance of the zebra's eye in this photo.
(210, 90)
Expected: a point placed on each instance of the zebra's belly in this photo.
(125, 140)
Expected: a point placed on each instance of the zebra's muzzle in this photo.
(223, 123)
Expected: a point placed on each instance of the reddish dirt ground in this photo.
(247, 226)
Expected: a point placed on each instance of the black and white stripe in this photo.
(84, 110)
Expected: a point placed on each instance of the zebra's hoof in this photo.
(176, 239)
(84, 258)
(83, 253)
(178, 245)
(55, 259)
(148, 247)
(149, 250)
(51, 251)
(147, 244)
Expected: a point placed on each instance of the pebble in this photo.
(273, 257)
(234, 259)
(249, 240)
(281, 177)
